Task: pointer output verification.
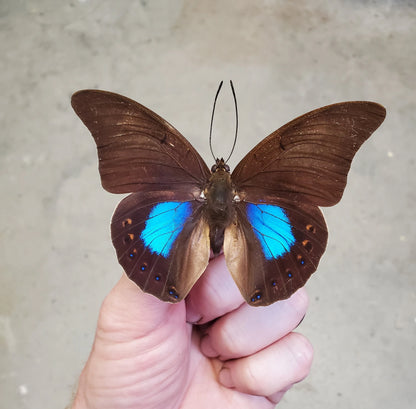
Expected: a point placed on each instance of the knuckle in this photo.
(252, 377)
(230, 342)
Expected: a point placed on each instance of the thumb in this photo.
(128, 313)
(141, 345)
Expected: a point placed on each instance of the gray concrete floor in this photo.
(285, 57)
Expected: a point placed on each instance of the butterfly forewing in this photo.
(308, 159)
(137, 149)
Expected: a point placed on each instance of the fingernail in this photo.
(225, 378)
(300, 322)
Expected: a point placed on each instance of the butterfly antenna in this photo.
(212, 120)
(236, 121)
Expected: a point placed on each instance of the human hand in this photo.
(147, 354)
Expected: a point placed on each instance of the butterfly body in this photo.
(219, 209)
(264, 214)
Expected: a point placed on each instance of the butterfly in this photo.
(264, 215)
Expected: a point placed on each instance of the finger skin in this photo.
(214, 294)
(271, 370)
(119, 315)
(247, 329)
(145, 354)
(140, 353)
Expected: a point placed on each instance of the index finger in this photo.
(214, 294)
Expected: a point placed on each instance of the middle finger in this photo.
(247, 329)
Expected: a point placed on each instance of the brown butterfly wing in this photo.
(137, 149)
(167, 275)
(140, 152)
(308, 159)
(302, 165)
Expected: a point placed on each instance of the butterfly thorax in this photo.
(219, 211)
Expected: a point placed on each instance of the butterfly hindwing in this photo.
(272, 249)
(137, 149)
(308, 159)
(162, 242)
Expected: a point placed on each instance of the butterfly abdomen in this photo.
(219, 210)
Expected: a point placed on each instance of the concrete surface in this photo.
(285, 57)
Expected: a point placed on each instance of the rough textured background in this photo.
(285, 57)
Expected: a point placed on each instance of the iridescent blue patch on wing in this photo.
(272, 227)
(164, 223)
